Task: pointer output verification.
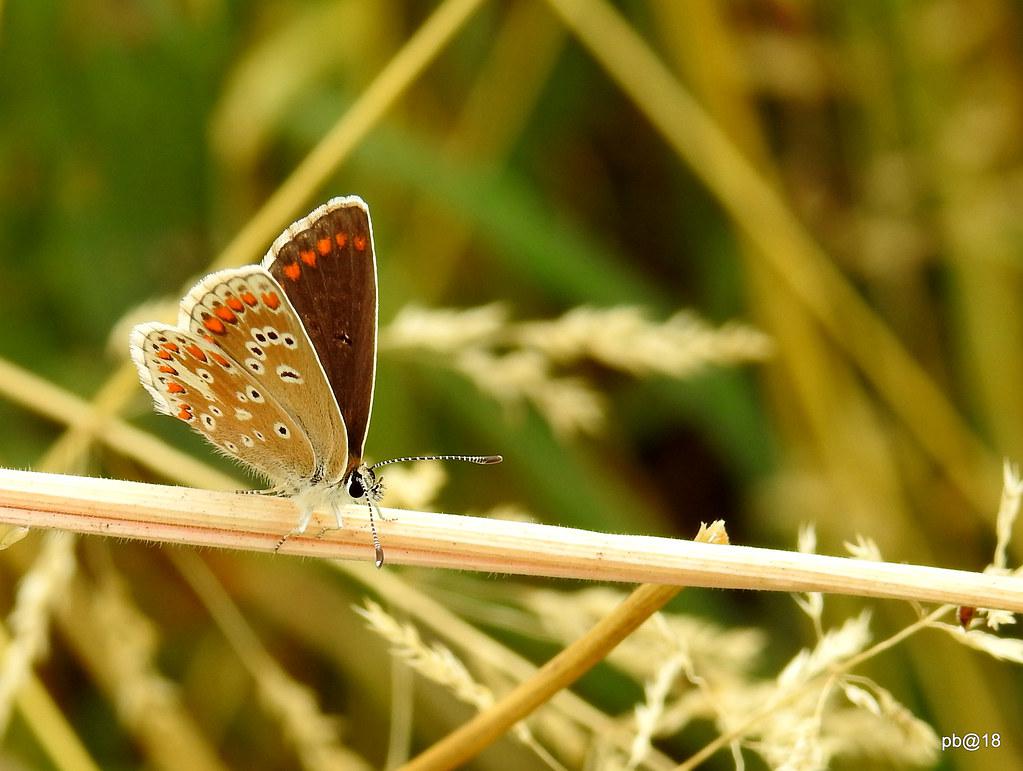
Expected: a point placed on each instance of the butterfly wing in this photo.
(326, 265)
(247, 315)
(196, 382)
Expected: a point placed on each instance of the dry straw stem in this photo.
(239, 521)
(560, 672)
(49, 725)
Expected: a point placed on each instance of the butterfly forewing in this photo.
(247, 315)
(198, 383)
(325, 263)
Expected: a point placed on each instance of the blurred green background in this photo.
(873, 230)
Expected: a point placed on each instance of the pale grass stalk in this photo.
(257, 96)
(742, 727)
(649, 713)
(68, 452)
(210, 518)
(118, 644)
(439, 664)
(401, 728)
(1008, 511)
(310, 175)
(44, 398)
(132, 641)
(811, 603)
(39, 590)
(762, 215)
(1000, 648)
(620, 338)
(103, 630)
(864, 549)
(466, 336)
(321, 163)
(568, 404)
(293, 705)
(558, 673)
(49, 726)
(995, 618)
(834, 647)
(435, 662)
(879, 720)
(163, 723)
(623, 338)
(443, 330)
(801, 731)
(719, 653)
(499, 103)
(484, 649)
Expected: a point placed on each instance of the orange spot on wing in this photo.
(164, 355)
(249, 298)
(292, 271)
(272, 300)
(171, 347)
(341, 239)
(185, 413)
(308, 257)
(175, 388)
(360, 243)
(195, 352)
(220, 359)
(226, 314)
(234, 303)
(168, 369)
(323, 246)
(214, 325)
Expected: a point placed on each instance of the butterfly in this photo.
(275, 364)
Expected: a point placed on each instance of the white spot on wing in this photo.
(289, 374)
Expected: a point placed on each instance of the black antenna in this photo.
(482, 460)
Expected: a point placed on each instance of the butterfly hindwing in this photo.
(325, 264)
(196, 382)
(247, 315)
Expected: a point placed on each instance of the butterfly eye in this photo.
(355, 487)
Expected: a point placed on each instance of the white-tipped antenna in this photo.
(483, 460)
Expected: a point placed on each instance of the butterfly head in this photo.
(362, 483)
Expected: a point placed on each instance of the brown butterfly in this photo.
(274, 364)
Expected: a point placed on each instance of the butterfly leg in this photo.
(303, 523)
(336, 508)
